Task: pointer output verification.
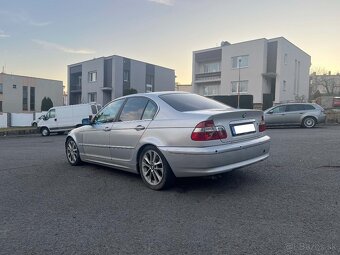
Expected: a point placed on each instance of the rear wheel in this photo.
(308, 122)
(44, 131)
(154, 169)
(72, 152)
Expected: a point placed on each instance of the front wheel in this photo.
(309, 122)
(154, 169)
(72, 152)
(44, 131)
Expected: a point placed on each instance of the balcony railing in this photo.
(75, 88)
(208, 77)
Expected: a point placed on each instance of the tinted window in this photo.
(309, 107)
(133, 109)
(109, 113)
(279, 109)
(295, 107)
(149, 111)
(191, 102)
(94, 109)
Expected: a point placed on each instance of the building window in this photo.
(92, 97)
(210, 90)
(211, 67)
(92, 76)
(240, 61)
(14, 86)
(243, 88)
(1, 88)
(0, 106)
(25, 98)
(284, 85)
(148, 88)
(126, 76)
(285, 60)
(32, 98)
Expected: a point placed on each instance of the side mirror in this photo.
(270, 112)
(86, 121)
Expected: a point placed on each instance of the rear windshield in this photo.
(191, 102)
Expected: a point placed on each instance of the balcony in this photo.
(208, 77)
(75, 88)
(106, 88)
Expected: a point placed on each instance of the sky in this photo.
(40, 38)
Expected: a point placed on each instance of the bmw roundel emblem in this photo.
(244, 115)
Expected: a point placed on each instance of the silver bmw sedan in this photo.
(164, 135)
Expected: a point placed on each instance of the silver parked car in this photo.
(164, 135)
(300, 114)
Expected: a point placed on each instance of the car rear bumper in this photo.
(202, 161)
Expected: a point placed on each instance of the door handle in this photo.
(107, 129)
(139, 128)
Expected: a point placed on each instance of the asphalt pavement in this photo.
(288, 204)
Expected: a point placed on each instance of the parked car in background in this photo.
(35, 122)
(336, 102)
(64, 118)
(163, 135)
(295, 114)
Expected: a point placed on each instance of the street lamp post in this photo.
(238, 85)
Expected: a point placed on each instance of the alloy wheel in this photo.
(72, 152)
(152, 167)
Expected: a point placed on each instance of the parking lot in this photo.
(288, 204)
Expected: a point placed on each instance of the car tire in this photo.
(309, 122)
(45, 131)
(154, 169)
(72, 152)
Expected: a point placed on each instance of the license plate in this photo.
(243, 129)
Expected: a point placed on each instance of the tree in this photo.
(130, 91)
(320, 78)
(46, 104)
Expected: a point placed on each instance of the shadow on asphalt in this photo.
(216, 184)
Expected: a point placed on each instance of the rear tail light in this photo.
(207, 131)
(262, 126)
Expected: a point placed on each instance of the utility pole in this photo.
(238, 85)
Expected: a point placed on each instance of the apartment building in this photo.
(20, 94)
(103, 79)
(271, 70)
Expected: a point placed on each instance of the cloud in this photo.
(3, 35)
(58, 47)
(163, 2)
(22, 17)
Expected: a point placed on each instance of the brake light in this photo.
(262, 126)
(207, 131)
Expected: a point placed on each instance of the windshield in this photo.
(192, 102)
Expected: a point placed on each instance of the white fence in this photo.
(3, 120)
(18, 119)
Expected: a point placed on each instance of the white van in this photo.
(64, 118)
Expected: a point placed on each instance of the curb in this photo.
(19, 132)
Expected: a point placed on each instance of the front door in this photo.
(277, 116)
(50, 120)
(96, 139)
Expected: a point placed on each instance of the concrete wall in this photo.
(95, 65)
(257, 51)
(21, 119)
(12, 97)
(164, 79)
(3, 120)
(137, 76)
(287, 72)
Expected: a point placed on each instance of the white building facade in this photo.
(102, 79)
(273, 71)
(23, 94)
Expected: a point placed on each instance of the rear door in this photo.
(294, 113)
(136, 115)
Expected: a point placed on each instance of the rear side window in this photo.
(309, 107)
(191, 102)
(295, 107)
(279, 109)
(149, 111)
(133, 109)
